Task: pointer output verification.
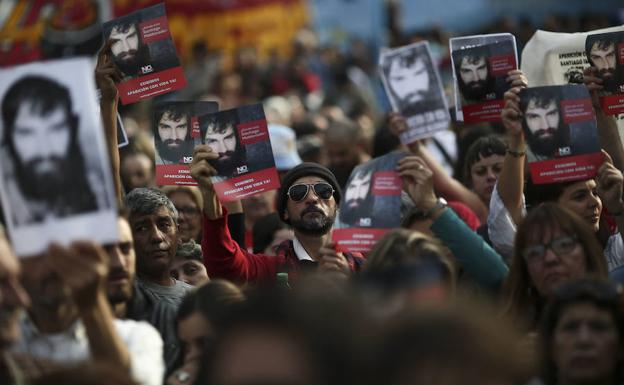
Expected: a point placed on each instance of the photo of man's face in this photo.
(129, 54)
(409, 81)
(357, 190)
(602, 55)
(173, 140)
(543, 122)
(222, 139)
(41, 141)
(474, 77)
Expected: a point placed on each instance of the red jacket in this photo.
(224, 258)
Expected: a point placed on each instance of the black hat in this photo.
(305, 169)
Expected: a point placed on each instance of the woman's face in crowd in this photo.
(189, 216)
(192, 331)
(189, 270)
(549, 269)
(484, 174)
(585, 346)
(582, 198)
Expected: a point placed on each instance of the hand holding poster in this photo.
(176, 132)
(560, 129)
(142, 49)
(480, 67)
(372, 204)
(605, 52)
(56, 181)
(413, 85)
(240, 137)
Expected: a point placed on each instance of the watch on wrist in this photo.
(440, 204)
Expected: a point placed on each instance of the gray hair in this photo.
(145, 201)
(190, 251)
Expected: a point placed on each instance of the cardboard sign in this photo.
(144, 53)
(176, 133)
(560, 128)
(56, 182)
(414, 88)
(480, 67)
(605, 51)
(371, 204)
(245, 166)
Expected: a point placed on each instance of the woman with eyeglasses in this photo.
(553, 245)
(582, 335)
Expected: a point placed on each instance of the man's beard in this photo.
(174, 154)
(131, 63)
(547, 146)
(351, 214)
(317, 226)
(609, 80)
(477, 90)
(120, 294)
(49, 186)
(227, 167)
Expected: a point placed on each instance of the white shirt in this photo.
(143, 342)
(300, 251)
(502, 232)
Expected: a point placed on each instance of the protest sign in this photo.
(56, 180)
(176, 133)
(560, 129)
(480, 65)
(371, 204)
(554, 58)
(413, 85)
(144, 53)
(605, 51)
(245, 166)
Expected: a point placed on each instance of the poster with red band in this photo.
(371, 204)
(559, 125)
(143, 51)
(605, 52)
(245, 165)
(176, 133)
(480, 67)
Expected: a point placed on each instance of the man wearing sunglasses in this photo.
(308, 200)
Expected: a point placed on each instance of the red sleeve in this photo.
(466, 214)
(225, 259)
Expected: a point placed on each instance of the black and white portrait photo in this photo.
(414, 89)
(56, 178)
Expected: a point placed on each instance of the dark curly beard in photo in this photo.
(227, 167)
(548, 147)
(174, 154)
(316, 226)
(130, 65)
(477, 90)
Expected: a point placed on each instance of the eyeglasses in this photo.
(299, 192)
(560, 246)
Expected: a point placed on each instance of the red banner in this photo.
(174, 174)
(360, 240)
(148, 86)
(501, 64)
(483, 112)
(612, 104)
(247, 185)
(253, 132)
(578, 110)
(566, 169)
(154, 30)
(387, 183)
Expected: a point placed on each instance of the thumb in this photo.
(607, 158)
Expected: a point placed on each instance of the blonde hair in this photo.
(402, 246)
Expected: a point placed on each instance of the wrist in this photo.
(91, 303)
(428, 203)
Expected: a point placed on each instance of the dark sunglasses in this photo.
(298, 192)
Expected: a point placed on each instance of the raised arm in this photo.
(106, 77)
(444, 184)
(608, 133)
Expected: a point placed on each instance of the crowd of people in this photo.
(489, 279)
